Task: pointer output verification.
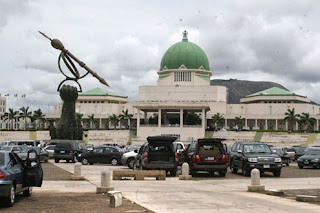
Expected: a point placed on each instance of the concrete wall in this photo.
(108, 136)
(24, 135)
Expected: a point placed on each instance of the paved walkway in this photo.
(215, 195)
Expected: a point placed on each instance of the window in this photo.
(182, 76)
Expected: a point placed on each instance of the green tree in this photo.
(239, 122)
(306, 120)
(125, 115)
(91, 120)
(38, 115)
(191, 118)
(115, 119)
(291, 117)
(10, 116)
(217, 120)
(79, 117)
(25, 114)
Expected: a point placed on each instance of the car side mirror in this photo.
(34, 164)
(240, 151)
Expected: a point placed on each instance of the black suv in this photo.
(158, 153)
(66, 150)
(102, 154)
(207, 154)
(249, 155)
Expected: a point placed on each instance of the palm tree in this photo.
(125, 115)
(239, 121)
(10, 116)
(115, 119)
(25, 114)
(91, 120)
(38, 115)
(306, 120)
(191, 118)
(79, 117)
(291, 117)
(217, 119)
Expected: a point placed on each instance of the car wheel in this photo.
(173, 172)
(56, 160)
(222, 173)
(67, 161)
(28, 192)
(84, 161)
(130, 163)
(12, 196)
(277, 173)
(233, 170)
(114, 162)
(300, 166)
(46, 160)
(245, 171)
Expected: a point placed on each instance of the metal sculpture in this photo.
(67, 57)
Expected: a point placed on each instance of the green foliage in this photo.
(239, 122)
(25, 114)
(114, 119)
(217, 120)
(11, 116)
(191, 118)
(291, 117)
(306, 120)
(126, 115)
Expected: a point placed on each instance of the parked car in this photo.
(66, 150)
(17, 176)
(24, 142)
(249, 155)
(158, 154)
(300, 152)
(129, 158)
(15, 149)
(88, 148)
(50, 150)
(311, 158)
(102, 154)
(44, 155)
(282, 154)
(180, 150)
(207, 154)
(291, 151)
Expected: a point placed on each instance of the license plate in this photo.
(306, 162)
(62, 151)
(266, 166)
(210, 158)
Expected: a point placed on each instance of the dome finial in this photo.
(185, 36)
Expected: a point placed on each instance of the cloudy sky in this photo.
(124, 41)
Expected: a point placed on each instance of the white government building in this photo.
(183, 89)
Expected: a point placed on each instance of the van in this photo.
(66, 150)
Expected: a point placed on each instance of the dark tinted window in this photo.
(1, 159)
(159, 148)
(63, 145)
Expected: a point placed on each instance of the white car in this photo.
(50, 150)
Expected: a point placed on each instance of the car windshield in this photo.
(7, 148)
(313, 152)
(257, 148)
(27, 149)
(1, 159)
(279, 151)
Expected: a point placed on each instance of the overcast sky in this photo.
(123, 41)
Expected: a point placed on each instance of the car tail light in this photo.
(145, 158)
(224, 158)
(2, 175)
(71, 152)
(196, 158)
(176, 158)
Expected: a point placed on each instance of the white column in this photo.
(276, 124)
(317, 127)
(256, 123)
(297, 125)
(203, 118)
(138, 118)
(225, 123)
(246, 123)
(159, 117)
(100, 123)
(110, 124)
(287, 125)
(145, 117)
(266, 124)
(181, 118)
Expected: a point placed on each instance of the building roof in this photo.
(184, 53)
(100, 92)
(274, 91)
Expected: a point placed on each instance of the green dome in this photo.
(186, 53)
